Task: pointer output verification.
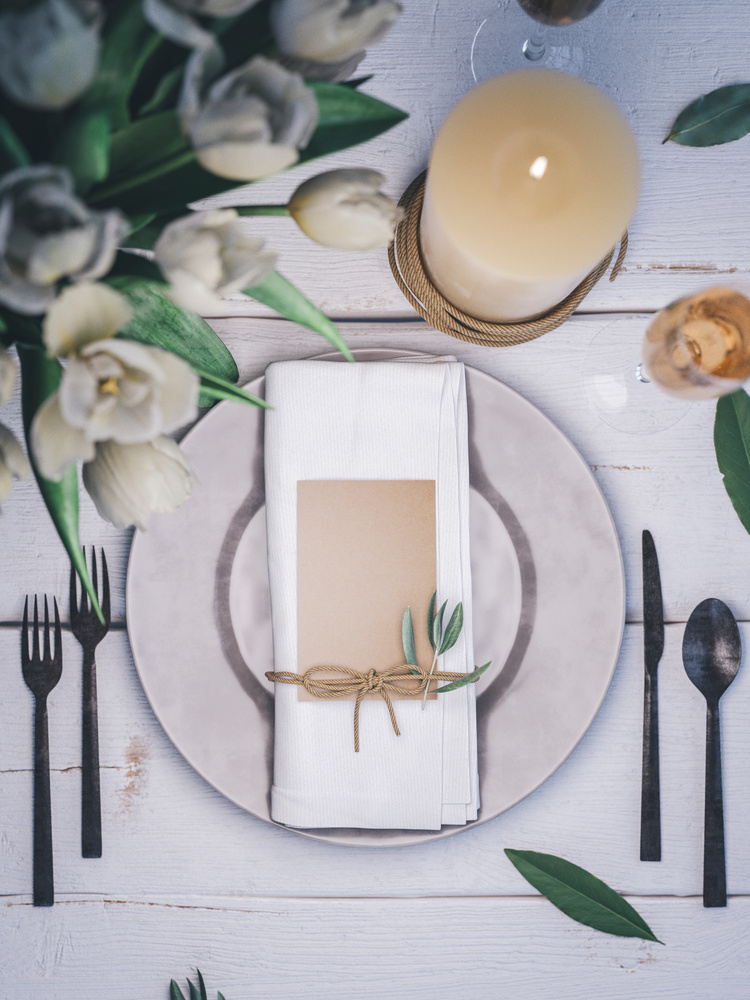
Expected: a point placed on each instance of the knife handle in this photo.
(714, 865)
(650, 800)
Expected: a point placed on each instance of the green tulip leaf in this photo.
(175, 993)
(214, 389)
(12, 151)
(202, 985)
(431, 619)
(453, 630)
(732, 444)
(84, 149)
(285, 299)
(580, 895)
(407, 638)
(143, 151)
(40, 379)
(194, 994)
(347, 117)
(720, 116)
(158, 321)
(470, 678)
(166, 92)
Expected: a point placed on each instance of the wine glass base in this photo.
(509, 39)
(612, 385)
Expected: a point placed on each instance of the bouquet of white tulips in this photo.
(114, 118)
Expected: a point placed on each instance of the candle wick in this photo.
(538, 168)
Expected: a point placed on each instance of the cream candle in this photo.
(532, 179)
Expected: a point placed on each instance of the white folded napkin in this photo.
(370, 420)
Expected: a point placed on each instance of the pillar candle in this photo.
(532, 180)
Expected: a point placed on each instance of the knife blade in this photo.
(653, 647)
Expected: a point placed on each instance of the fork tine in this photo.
(83, 606)
(58, 635)
(94, 578)
(73, 594)
(47, 656)
(25, 633)
(35, 638)
(105, 588)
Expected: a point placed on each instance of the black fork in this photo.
(89, 631)
(41, 674)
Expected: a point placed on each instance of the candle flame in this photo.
(538, 168)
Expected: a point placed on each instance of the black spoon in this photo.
(711, 652)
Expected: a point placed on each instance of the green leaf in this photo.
(732, 443)
(720, 116)
(194, 994)
(437, 626)
(84, 149)
(165, 94)
(40, 379)
(219, 996)
(580, 895)
(452, 632)
(12, 151)
(202, 985)
(141, 151)
(471, 678)
(431, 619)
(21, 329)
(129, 40)
(281, 295)
(213, 389)
(347, 118)
(158, 321)
(175, 993)
(407, 638)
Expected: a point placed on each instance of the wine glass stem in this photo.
(535, 46)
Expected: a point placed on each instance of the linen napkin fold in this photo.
(382, 420)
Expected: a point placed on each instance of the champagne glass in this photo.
(696, 348)
(525, 33)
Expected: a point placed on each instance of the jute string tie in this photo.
(360, 682)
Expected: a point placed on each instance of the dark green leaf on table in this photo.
(20, 329)
(431, 619)
(175, 993)
(194, 994)
(12, 151)
(219, 996)
(470, 678)
(166, 92)
(288, 301)
(40, 378)
(580, 895)
(360, 81)
(214, 389)
(245, 35)
(732, 444)
(142, 151)
(407, 638)
(135, 265)
(347, 118)
(202, 985)
(158, 321)
(84, 149)
(721, 116)
(453, 630)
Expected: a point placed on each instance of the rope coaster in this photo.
(405, 257)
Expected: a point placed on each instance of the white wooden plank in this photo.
(329, 949)
(166, 831)
(652, 59)
(667, 482)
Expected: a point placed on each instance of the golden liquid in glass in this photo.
(699, 346)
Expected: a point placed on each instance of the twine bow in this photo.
(361, 682)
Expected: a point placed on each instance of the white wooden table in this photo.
(187, 879)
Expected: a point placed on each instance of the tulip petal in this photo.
(82, 314)
(8, 376)
(54, 443)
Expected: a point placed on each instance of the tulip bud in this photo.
(330, 30)
(345, 209)
(175, 18)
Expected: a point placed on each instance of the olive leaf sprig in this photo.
(440, 641)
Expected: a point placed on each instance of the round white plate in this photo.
(548, 595)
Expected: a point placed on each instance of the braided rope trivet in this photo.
(404, 255)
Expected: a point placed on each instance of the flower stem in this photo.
(261, 210)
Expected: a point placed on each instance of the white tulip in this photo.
(127, 482)
(207, 255)
(49, 53)
(330, 30)
(175, 18)
(345, 209)
(47, 233)
(110, 389)
(8, 375)
(13, 462)
(251, 122)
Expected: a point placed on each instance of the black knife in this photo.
(653, 647)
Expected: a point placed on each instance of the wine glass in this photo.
(696, 348)
(508, 39)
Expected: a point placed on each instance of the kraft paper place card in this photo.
(366, 551)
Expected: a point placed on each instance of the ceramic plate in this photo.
(549, 605)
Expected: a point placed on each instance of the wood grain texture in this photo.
(166, 831)
(124, 948)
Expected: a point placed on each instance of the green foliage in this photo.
(196, 992)
(720, 116)
(407, 638)
(12, 151)
(84, 149)
(580, 895)
(732, 444)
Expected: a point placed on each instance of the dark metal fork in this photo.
(89, 631)
(41, 674)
